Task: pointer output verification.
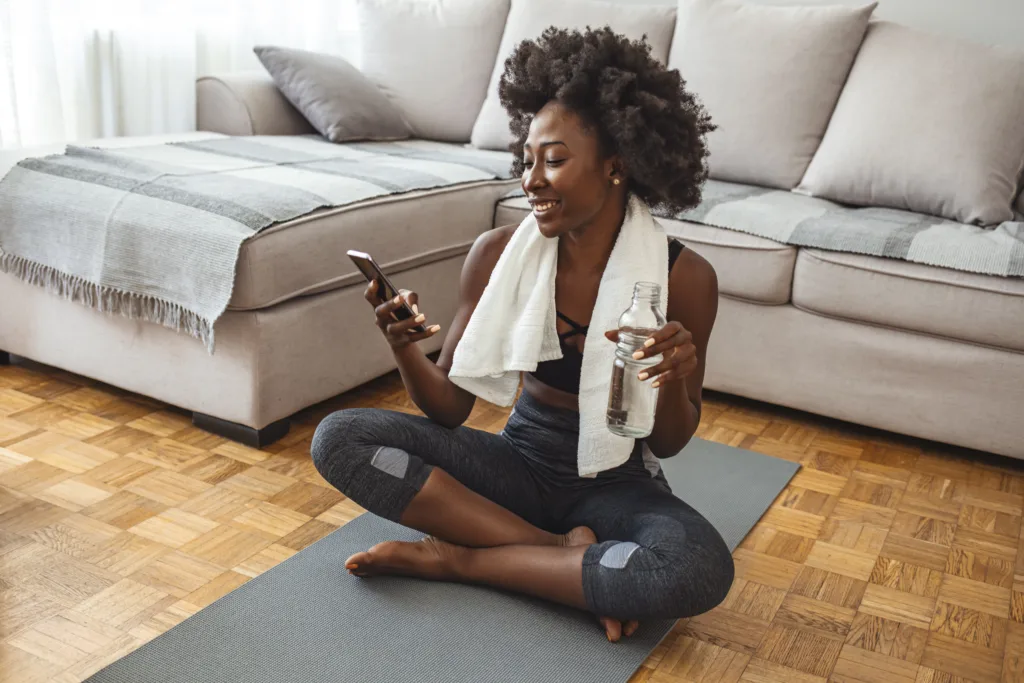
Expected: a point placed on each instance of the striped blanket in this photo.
(811, 222)
(154, 232)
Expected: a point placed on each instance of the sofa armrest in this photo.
(246, 103)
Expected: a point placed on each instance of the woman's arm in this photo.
(692, 309)
(428, 384)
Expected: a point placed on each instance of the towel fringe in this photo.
(110, 300)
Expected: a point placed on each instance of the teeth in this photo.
(543, 206)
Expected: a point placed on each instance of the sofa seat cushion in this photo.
(984, 309)
(748, 267)
(403, 231)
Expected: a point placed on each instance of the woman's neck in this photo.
(588, 248)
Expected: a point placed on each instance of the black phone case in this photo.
(403, 312)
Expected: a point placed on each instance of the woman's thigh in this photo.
(384, 457)
(656, 557)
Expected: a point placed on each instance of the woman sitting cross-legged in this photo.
(556, 505)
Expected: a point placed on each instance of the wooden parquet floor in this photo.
(886, 559)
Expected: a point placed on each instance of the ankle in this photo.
(459, 564)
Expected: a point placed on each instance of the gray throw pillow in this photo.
(770, 78)
(333, 95)
(432, 59)
(925, 123)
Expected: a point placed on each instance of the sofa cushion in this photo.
(748, 267)
(946, 303)
(333, 95)
(528, 19)
(439, 85)
(926, 123)
(307, 255)
(749, 65)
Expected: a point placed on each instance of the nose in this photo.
(533, 178)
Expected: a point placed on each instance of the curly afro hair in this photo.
(639, 109)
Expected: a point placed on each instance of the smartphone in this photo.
(385, 290)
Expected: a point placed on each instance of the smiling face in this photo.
(567, 179)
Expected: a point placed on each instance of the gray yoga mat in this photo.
(307, 620)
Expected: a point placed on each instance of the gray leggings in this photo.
(656, 557)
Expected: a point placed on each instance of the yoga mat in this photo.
(307, 620)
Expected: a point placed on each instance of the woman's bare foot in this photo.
(581, 535)
(437, 560)
(428, 558)
(613, 628)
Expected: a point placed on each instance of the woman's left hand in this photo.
(680, 355)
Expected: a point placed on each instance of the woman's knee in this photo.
(677, 578)
(698, 578)
(341, 439)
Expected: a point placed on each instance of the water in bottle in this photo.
(632, 401)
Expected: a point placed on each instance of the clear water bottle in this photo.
(632, 401)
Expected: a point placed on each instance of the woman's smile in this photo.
(543, 206)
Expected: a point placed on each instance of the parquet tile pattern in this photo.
(886, 559)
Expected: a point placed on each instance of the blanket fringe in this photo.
(109, 299)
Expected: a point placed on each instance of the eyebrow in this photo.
(547, 144)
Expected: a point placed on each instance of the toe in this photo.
(357, 561)
(612, 628)
(630, 627)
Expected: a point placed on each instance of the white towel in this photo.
(513, 326)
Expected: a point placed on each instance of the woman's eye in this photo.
(528, 164)
(555, 162)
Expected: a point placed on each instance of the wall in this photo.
(998, 22)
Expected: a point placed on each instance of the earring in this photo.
(616, 181)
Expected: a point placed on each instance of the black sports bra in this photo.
(564, 373)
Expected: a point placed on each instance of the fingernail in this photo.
(398, 299)
(352, 566)
(415, 308)
(655, 385)
(638, 355)
(420, 318)
(435, 328)
(643, 376)
(649, 342)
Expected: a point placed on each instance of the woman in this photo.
(594, 118)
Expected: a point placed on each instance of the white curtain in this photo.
(73, 70)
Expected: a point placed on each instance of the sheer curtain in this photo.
(74, 70)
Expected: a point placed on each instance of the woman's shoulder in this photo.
(482, 258)
(692, 282)
(496, 239)
(487, 247)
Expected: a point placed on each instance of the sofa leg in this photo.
(253, 438)
(5, 358)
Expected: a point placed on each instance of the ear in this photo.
(614, 170)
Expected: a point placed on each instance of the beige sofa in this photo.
(916, 349)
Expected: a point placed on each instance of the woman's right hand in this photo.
(398, 333)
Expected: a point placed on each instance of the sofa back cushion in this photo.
(528, 19)
(769, 77)
(333, 95)
(926, 123)
(432, 59)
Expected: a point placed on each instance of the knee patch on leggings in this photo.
(617, 556)
(393, 461)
